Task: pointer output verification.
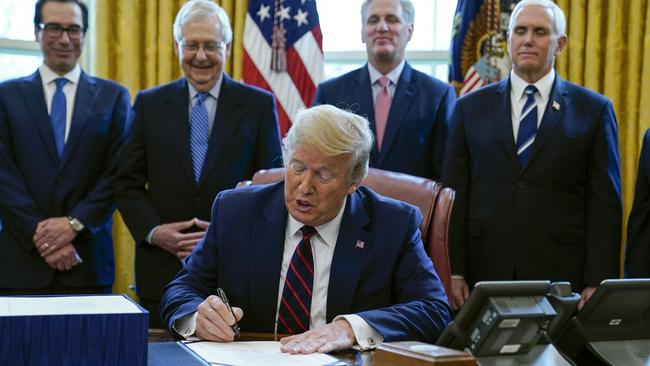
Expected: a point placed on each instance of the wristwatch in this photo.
(76, 225)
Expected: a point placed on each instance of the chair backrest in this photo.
(434, 201)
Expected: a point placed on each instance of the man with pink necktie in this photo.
(409, 111)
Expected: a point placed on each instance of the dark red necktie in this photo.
(295, 305)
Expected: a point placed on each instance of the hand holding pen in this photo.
(216, 320)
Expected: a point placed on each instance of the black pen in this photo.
(223, 297)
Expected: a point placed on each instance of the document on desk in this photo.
(66, 305)
(253, 353)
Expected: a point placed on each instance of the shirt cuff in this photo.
(457, 277)
(185, 326)
(367, 337)
(149, 236)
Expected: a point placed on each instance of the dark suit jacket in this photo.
(156, 182)
(637, 254)
(35, 184)
(391, 282)
(558, 218)
(418, 120)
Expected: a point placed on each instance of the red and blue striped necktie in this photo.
(295, 305)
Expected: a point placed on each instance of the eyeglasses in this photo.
(209, 47)
(55, 30)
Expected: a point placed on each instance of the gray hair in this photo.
(196, 10)
(408, 12)
(559, 20)
(332, 132)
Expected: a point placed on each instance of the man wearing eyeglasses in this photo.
(191, 139)
(60, 134)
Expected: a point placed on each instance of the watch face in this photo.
(76, 225)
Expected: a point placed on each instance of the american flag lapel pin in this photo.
(556, 105)
(360, 244)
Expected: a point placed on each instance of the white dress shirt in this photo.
(322, 245)
(393, 76)
(48, 78)
(518, 97)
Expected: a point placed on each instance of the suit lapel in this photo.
(348, 257)
(404, 96)
(552, 115)
(176, 118)
(83, 105)
(362, 93)
(502, 115)
(266, 261)
(226, 120)
(32, 90)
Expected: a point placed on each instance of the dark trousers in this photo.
(153, 307)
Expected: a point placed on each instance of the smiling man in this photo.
(408, 111)
(535, 165)
(316, 256)
(191, 139)
(60, 134)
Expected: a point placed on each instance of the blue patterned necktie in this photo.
(527, 126)
(199, 131)
(58, 115)
(295, 305)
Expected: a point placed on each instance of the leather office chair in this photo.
(434, 201)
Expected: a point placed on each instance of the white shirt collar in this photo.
(329, 231)
(543, 85)
(214, 92)
(48, 76)
(393, 75)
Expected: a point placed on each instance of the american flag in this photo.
(283, 53)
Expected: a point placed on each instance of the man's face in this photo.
(533, 44)
(315, 187)
(60, 53)
(202, 53)
(385, 32)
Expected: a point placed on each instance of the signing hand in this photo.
(585, 295)
(214, 321)
(64, 258)
(52, 234)
(334, 336)
(171, 238)
(459, 292)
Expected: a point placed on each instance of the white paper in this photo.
(254, 353)
(66, 305)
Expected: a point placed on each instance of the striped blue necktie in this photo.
(199, 131)
(295, 305)
(58, 115)
(527, 126)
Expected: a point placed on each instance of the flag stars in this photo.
(283, 13)
(301, 17)
(264, 12)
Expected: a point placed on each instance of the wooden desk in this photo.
(164, 351)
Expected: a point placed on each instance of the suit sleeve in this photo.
(455, 174)
(604, 207)
(197, 279)
(131, 197)
(17, 207)
(98, 204)
(637, 253)
(442, 121)
(319, 97)
(269, 154)
(421, 311)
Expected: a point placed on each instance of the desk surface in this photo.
(163, 351)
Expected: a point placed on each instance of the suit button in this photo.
(521, 185)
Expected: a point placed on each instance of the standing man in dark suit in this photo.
(535, 165)
(637, 252)
(316, 256)
(408, 111)
(191, 139)
(60, 133)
